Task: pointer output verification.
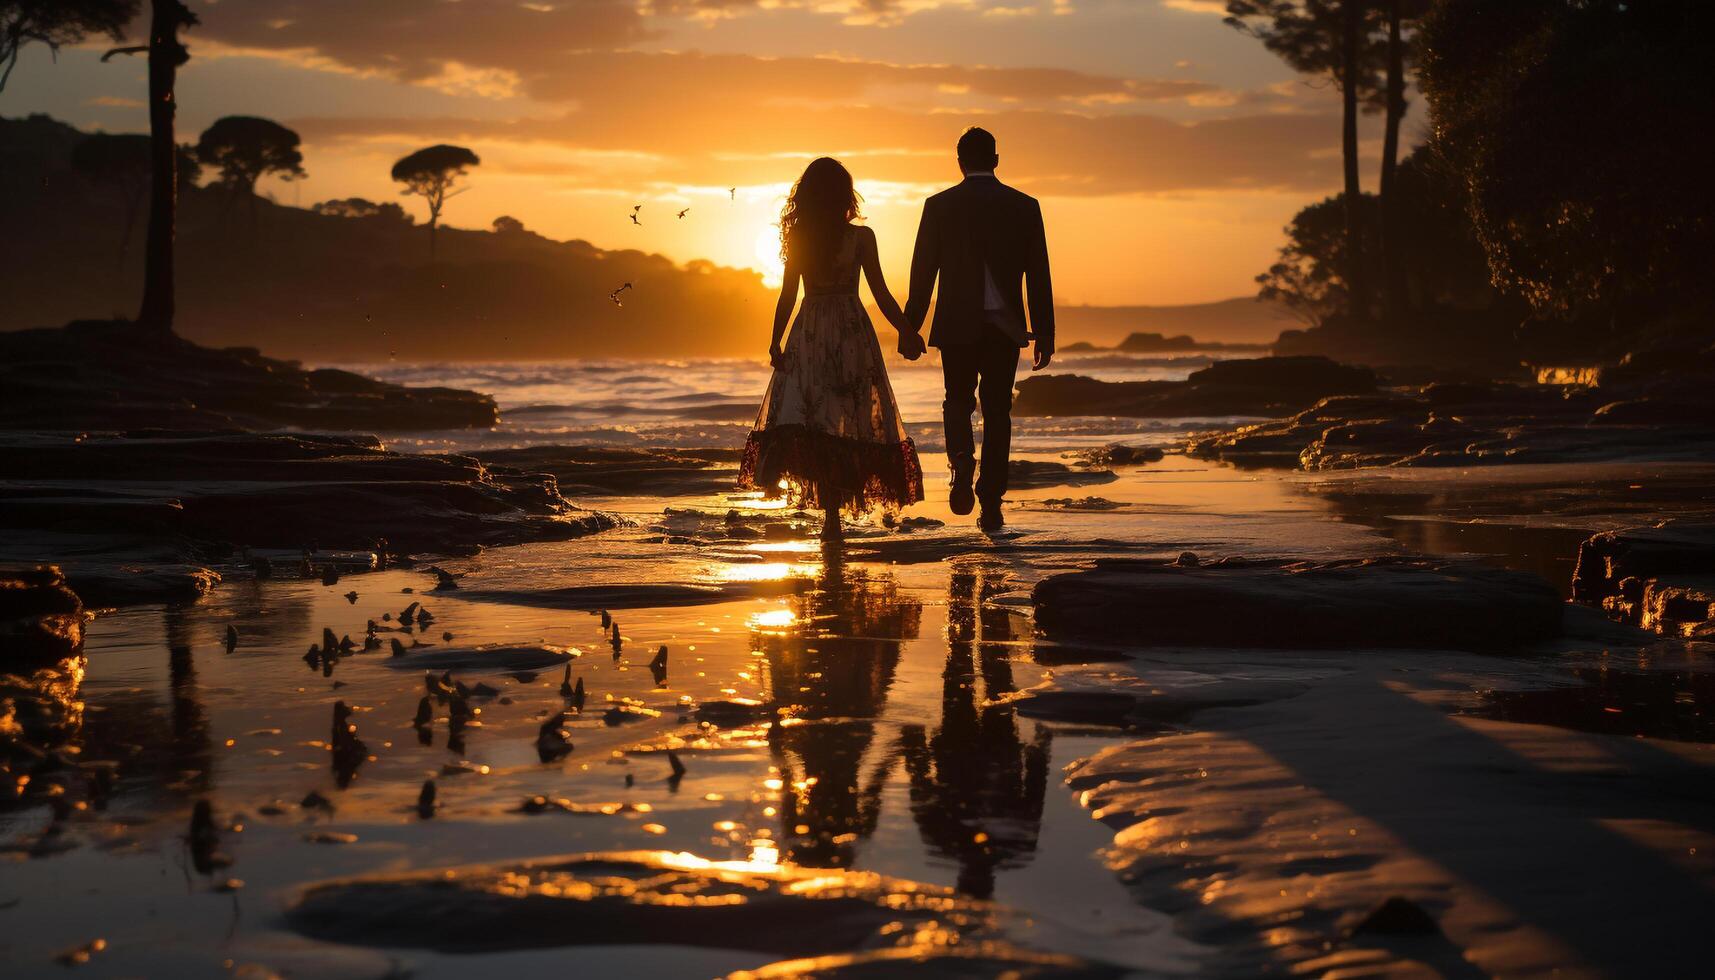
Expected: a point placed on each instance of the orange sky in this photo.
(1168, 149)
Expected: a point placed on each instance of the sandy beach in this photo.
(888, 707)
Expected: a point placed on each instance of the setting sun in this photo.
(768, 257)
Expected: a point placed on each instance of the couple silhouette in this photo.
(829, 432)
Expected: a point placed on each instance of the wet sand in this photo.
(904, 665)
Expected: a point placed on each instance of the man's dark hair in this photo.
(976, 149)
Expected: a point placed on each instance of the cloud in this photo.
(567, 51)
(691, 118)
(1055, 153)
(415, 40)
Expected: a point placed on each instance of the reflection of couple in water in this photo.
(976, 784)
(829, 426)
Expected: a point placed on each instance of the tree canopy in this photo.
(1435, 241)
(431, 171)
(1579, 127)
(247, 148)
(430, 174)
(362, 207)
(57, 22)
(1306, 35)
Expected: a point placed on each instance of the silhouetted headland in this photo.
(111, 375)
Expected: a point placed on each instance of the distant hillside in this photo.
(1232, 321)
(328, 288)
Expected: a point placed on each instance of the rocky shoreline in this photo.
(113, 375)
(156, 515)
(1656, 405)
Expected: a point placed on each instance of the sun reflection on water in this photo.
(770, 571)
(773, 619)
(800, 546)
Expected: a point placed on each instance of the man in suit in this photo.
(985, 243)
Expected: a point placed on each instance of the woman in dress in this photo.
(829, 431)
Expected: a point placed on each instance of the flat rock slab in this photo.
(1282, 604)
(1153, 698)
(631, 897)
(497, 658)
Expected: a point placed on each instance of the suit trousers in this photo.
(981, 372)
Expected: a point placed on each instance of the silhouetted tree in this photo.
(57, 22)
(506, 224)
(166, 53)
(360, 207)
(1577, 128)
(1401, 54)
(1333, 38)
(430, 174)
(248, 148)
(1433, 240)
(1309, 278)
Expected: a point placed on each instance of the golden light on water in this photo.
(773, 619)
(756, 501)
(802, 546)
(769, 571)
(764, 854)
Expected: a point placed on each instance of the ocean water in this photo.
(708, 403)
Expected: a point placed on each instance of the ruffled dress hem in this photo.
(819, 469)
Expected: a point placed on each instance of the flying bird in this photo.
(684, 212)
(614, 296)
(732, 192)
(633, 215)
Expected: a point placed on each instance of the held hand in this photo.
(776, 358)
(911, 346)
(1044, 356)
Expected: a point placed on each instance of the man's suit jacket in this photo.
(981, 222)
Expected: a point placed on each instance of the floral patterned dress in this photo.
(829, 428)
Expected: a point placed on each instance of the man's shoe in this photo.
(963, 498)
(990, 520)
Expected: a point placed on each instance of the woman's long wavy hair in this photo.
(820, 206)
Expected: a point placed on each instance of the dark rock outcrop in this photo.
(1283, 604)
(41, 656)
(1262, 386)
(1661, 578)
(41, 619)
(109, 375)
